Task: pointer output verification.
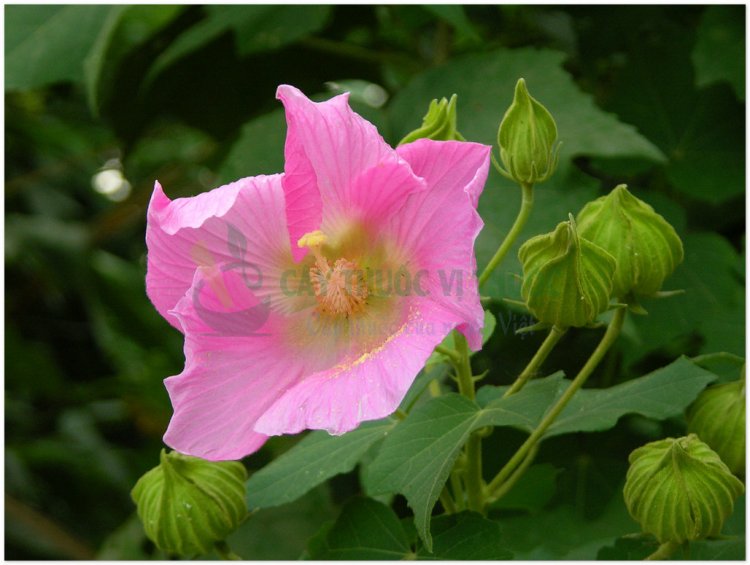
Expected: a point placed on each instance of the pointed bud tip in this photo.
(527, 138)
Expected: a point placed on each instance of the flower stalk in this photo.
(664, 551)
(225, 552)
(610, 336)
(527, 204)
(473, 470)
(549, 343)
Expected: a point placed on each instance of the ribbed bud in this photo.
(439, 123)
(718, 418)
(645, 245)
(679, 489)
(187, 504)
(567, 280)
(528, 139)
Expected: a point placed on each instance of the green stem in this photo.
(458, 491)
(723, 355)
(665, 551)
(610, 336)
(549, 343)
(517, 474)
(463, 367)
(447, 501)
(527, 203)
(225, 552)
(474, 486)
(435, 389)
(473, 476)
(449, 353)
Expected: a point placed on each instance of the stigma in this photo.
(341, 289)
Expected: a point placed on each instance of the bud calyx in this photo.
(718, 417)
(567, 280)
(528, 139)
(679, 489)
(438, 124)
(188, 504)
(646, 247)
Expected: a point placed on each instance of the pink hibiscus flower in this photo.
(311, 299)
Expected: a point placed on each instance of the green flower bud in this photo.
(567, 280)
(527, 138)
(645, 245)
(679, 489)
(718, 417)
(188, 504)
(439, 123)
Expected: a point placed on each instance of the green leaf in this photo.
(702, 132)
(366, 529)
(663, 393)
(94, 62)
(256, 28)
(564, 533)
(485, 84)
(718, 550)
(489, 326)
(712, 306)
(533, 491)
(417, 457)
(630, 548)
(455, 15)
(282, 532)
(125, 28)
(261, 142)
(127, 543)
(435, 371)
(205, 31)
(47, 44)
(719, 52)
(465, 536)
(314, 460)
(637, 548)
(526, 408)
(263, 28)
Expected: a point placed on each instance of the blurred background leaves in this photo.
(648, 95)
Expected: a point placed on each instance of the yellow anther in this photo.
(313, 239)
(341, 290)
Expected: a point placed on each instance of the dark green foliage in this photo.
(651, 96)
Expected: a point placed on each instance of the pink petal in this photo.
(236, 367)
(241, 223)
(338, 167)
(367, 388)
(439, 225)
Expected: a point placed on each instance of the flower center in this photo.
(341, 290)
